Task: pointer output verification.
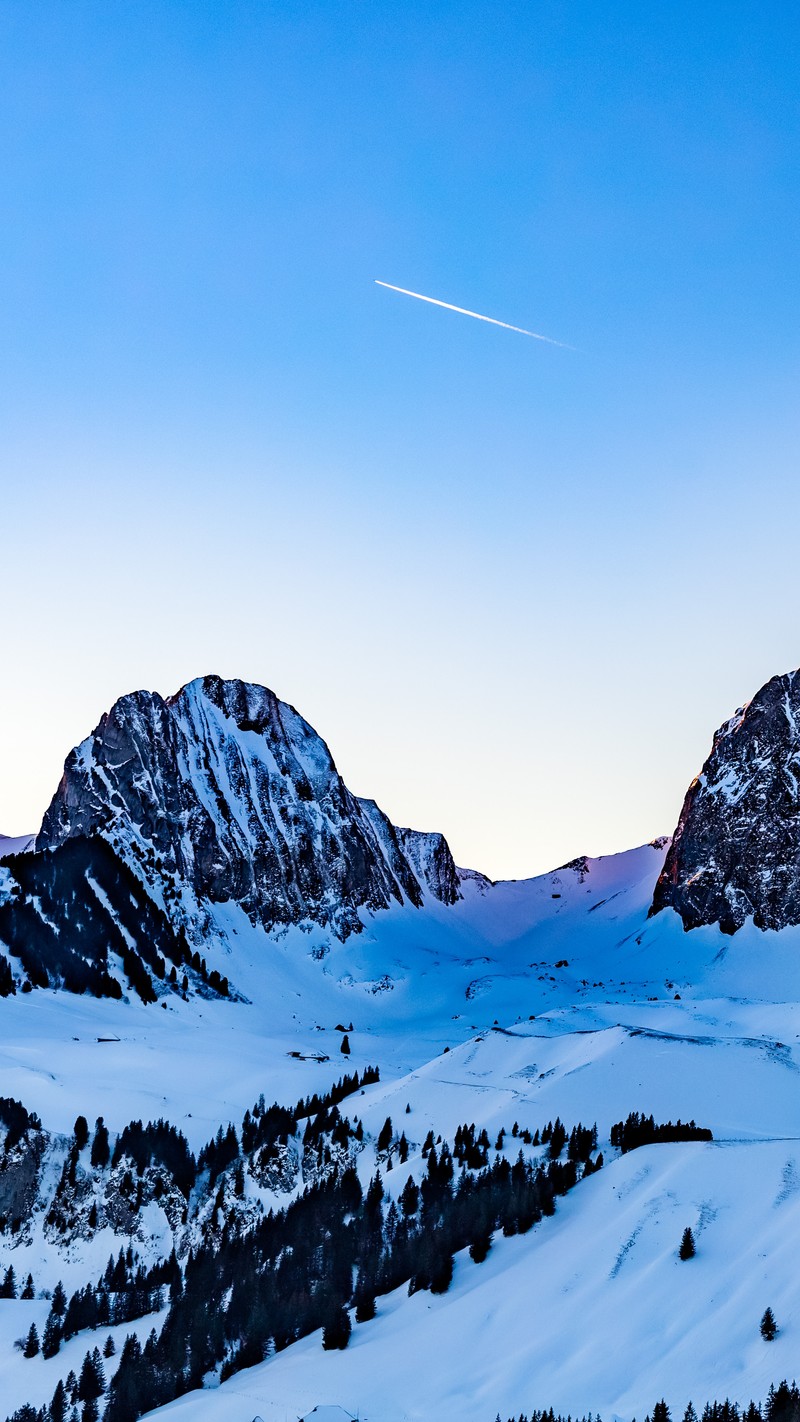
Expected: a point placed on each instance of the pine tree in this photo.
(31, 1343)
(558, 1138)
(337, 1330)
(409, 1197)
(109, 1347)
(59, 1301)
(58, 1406)
(480, 1247)
(51, 1338)
(345, 1047)
(687, 1249)
(661, 1412)
(81, 1132)
(91, 1383)
(100, 1151)
(442, 1274)
(8, 1288)
(385, 1135)
(769, 1327)
(28, 1291)
(364, 1300)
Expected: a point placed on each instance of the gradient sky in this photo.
(515, 587)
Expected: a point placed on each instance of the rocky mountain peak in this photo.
(225, 793)
(736, 851)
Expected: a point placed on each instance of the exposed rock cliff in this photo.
(736, 851)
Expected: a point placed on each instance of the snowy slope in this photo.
(593, 1310)
(531, 1326)
(15, 844)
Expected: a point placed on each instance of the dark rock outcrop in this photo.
(736, 851)
(223, 793)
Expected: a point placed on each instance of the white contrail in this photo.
(462, 311)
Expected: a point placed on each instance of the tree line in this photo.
(782, 1405)
(640, 1130)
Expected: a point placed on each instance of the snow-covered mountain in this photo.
(222, 793)
(212, 833)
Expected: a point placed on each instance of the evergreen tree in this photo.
(442, 1274)
(687, 1249)
(81, 1132)
(661, 1412)
(337, 1330)
(364, 1299)
(58, 1405)
(100, 1151)
(59, 1300)
(8, 1288)
(769, 1327)
(480, 1247)
(385, 1135)
(7, 984)
(409, 1197)
(109, 1348)
(31, 1343)
(28, 1291)
(558, 1138)
(345, 1047)
(91, 1383)
(51, 1338)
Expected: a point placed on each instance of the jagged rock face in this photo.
(736, 851)
(225, 791)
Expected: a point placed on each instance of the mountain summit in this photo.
(223, 792)
(736, 851)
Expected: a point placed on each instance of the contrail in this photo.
(462, 311)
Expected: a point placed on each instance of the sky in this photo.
(515, 586)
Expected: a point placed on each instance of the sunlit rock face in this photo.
(736, 851)
(224, 793)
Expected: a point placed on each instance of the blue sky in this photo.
(516, 587)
